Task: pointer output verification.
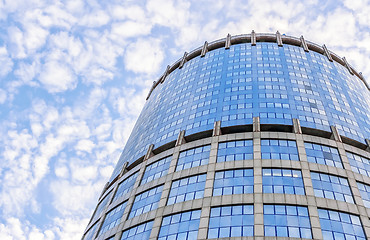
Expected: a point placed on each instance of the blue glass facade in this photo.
(239, 181)
(139, 232)
(180, 226)
(156, 170)
(285, 181)
(193, 157)
(146, 201)
(187, 189)
(332, 187)
(245, 138)
(235, 150)
(113, 218)
(233, 85)
(337, 225)
(322, 154)
(279, 149)
(231, 221)
(286, 221)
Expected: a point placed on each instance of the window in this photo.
(193, 157)
(146, 201)
(359, 164)
(237, 181)
(235, 150)
(90, 233)
(156, 170)
(286, 221)
(323, 155)
(279, 149)
(180, 226)
(140, 232)
(338, 225)
(126, 185)
(187, 189)
(365, 193)
(102, 205)
(332, 187)
(113, 218)
(284, 181)
(231, 221)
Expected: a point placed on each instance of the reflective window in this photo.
(113, 218)
(140, 232)
(359, 164)
(146, 201)
(365, 193)
(332, 187)
(234, 85)
(187, 189)
(180, 226)
(193, 157)
(338, 225)
(156, 170)
(323, 155)
(126, 186)
(279, 149)
(237, 181)
(231, 221)
(235, 150)
(286, 181)
(103, 203)
(286, 221)
(90, 233)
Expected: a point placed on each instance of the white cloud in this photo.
(6, 62)
(85, 145)
(2, 96)
(57, 77)
(16, 47)
(74, 199)
(95, 19)
(127, 29)
(144, 56)
(132, 12)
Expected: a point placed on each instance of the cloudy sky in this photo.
(75, 74)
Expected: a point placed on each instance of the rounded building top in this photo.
(274, 77)
(253, 38)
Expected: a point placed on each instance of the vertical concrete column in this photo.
(204, 49)
(279, 41)
(308, 187)
(257, 172)
(359, 204)
(304, 44)
(228, 41)
(133, 193)
(206, 209)
(328, 55)
(183, 60)
(167, 187)
(253, 38)
(347, 66)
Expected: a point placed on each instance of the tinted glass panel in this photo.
(286, 181)
(180, 226)
(338, 225)
(231, 221)
(237, 181)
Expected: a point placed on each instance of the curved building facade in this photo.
(255, 136)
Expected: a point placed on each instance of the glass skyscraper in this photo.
(255, 136)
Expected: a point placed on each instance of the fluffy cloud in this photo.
(6, 62)
(57, 77)
(144, 56)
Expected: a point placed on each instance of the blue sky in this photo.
(75, 74)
